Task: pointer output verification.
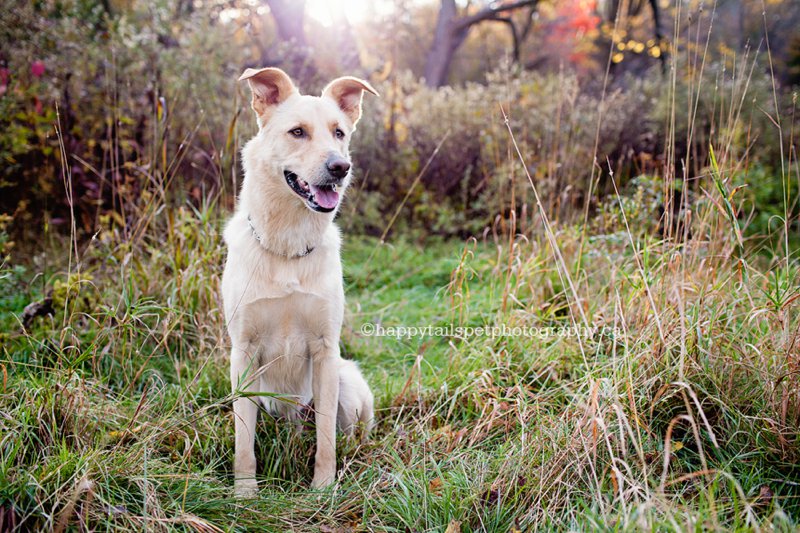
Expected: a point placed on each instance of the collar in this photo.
(260, 240)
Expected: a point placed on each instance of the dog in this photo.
(282, 285)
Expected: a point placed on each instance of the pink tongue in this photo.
(325, 197)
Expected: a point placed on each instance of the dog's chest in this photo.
(296, 326)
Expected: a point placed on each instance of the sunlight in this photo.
(326, 11)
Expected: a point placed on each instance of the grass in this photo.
(116, 410)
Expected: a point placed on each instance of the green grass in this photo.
(116, 410)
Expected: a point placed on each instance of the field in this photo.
(675, 408)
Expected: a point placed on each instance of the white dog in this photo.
(282, 286)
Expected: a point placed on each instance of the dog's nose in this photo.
(337, 167)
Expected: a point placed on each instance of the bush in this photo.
(556, 121)
(136, 98)
(469, 182)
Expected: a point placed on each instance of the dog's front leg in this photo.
(245, 414)
(325, 382)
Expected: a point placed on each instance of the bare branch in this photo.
(452, 29)
(491, 13)
(658, 33)
(528, 24)
(514, 34)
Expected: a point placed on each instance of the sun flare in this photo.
(327, 11)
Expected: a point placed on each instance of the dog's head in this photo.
(306, 138)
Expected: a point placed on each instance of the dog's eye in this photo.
(297, 132)
(338, 133)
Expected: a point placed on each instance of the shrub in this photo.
(136, 97)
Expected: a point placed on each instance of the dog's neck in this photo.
(267, 245)
(291, 231)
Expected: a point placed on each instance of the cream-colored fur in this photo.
(284, 309)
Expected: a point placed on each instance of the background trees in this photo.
(146, 93)
(452, 29)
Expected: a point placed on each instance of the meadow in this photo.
(675, 408)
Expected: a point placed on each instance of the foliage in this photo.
(468, 181)
(145, 99)
(135, 96)
(557, 121)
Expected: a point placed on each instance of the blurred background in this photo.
(106, 104)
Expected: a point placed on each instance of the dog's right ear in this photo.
(270, 87)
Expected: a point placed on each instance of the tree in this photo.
(297, 52)
(624, 8)
(452, 29)
(289, 17)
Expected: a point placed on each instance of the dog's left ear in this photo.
(347, 92)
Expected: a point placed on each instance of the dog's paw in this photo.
(322, 479)
(245, 488)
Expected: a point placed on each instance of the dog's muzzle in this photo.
(323, 197)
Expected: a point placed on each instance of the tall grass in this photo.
(675, 406)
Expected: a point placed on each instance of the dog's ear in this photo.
(270, 87)
(347, 93)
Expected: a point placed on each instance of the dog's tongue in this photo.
(326, 198)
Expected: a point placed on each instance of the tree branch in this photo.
(658, 33)
(491, 13)
(528, 24)
(452, 29)
(656, 19)
(514, 34)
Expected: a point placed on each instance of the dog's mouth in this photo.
(322, 198)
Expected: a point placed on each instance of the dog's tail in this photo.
(356, 403)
